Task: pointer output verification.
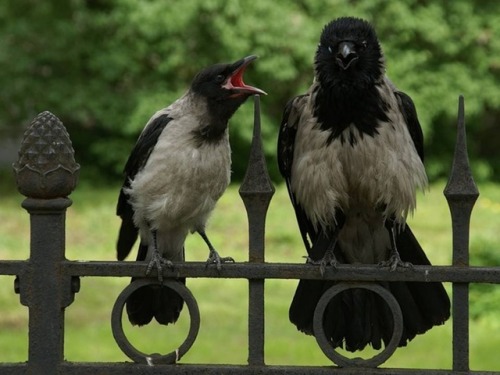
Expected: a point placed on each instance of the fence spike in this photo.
(256, 192)
(461, 193)
(461, 185)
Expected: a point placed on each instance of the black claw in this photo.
(328, 241)
(159, 262)
(394, 262)
(215, 258)
(328, 260)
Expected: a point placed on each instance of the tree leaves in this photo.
(104, 67)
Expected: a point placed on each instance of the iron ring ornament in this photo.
(155, 359)
(327, 347)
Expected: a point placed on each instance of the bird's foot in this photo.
(328, 259)
(394, 262)
(159, 262)
(215, 258)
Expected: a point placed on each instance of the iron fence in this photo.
(46, 173)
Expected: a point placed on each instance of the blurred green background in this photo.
(105, 66)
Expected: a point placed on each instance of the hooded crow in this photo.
(351, 152)
(178, 169)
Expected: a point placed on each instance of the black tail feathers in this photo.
(154, 301)
(356, 318)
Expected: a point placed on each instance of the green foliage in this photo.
(104, 67)
(484, 298)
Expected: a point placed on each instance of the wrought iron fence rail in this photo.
(13, 267)
(253, 270)
(97, 368)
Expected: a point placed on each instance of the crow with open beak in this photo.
(351, 152)
(178, 169)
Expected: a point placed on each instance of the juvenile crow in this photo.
(351, 152)
(178, 169)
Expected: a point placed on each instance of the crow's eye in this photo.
(220, 78)
(364, 44)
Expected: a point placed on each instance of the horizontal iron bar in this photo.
(290, 271)
(188, 369)
(13, 267)
(122, 368)
(14, 368)
(273, 271)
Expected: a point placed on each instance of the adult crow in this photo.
(351, 152)
(178, 169)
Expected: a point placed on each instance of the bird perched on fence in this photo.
(351, 152)
(178, 169)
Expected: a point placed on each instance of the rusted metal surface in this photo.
(256, 192)
(461, 193)
(284, 271)
(155, 359)
(76, 368)
(122, 369)
(325, 344)
(47, 174)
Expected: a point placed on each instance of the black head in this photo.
(349, 52)
(223, 87)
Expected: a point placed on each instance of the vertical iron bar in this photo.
(256, 192)
(45, 292)
(461, 193)
(46, 173)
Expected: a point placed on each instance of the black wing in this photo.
(136, 161)
(286, 143)
(409, 112)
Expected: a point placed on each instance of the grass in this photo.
(91, 234)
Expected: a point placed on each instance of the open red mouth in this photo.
(235, 81)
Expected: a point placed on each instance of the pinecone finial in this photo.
(46, 167)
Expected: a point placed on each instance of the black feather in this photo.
(153, 301)
(286, 141)
(136, 161)
(356, 318)
(126, 237)
(145, 145)
(409, 112)
(336, 111)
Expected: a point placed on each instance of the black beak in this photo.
(346, 55)
(235, 80)
(243, 62)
